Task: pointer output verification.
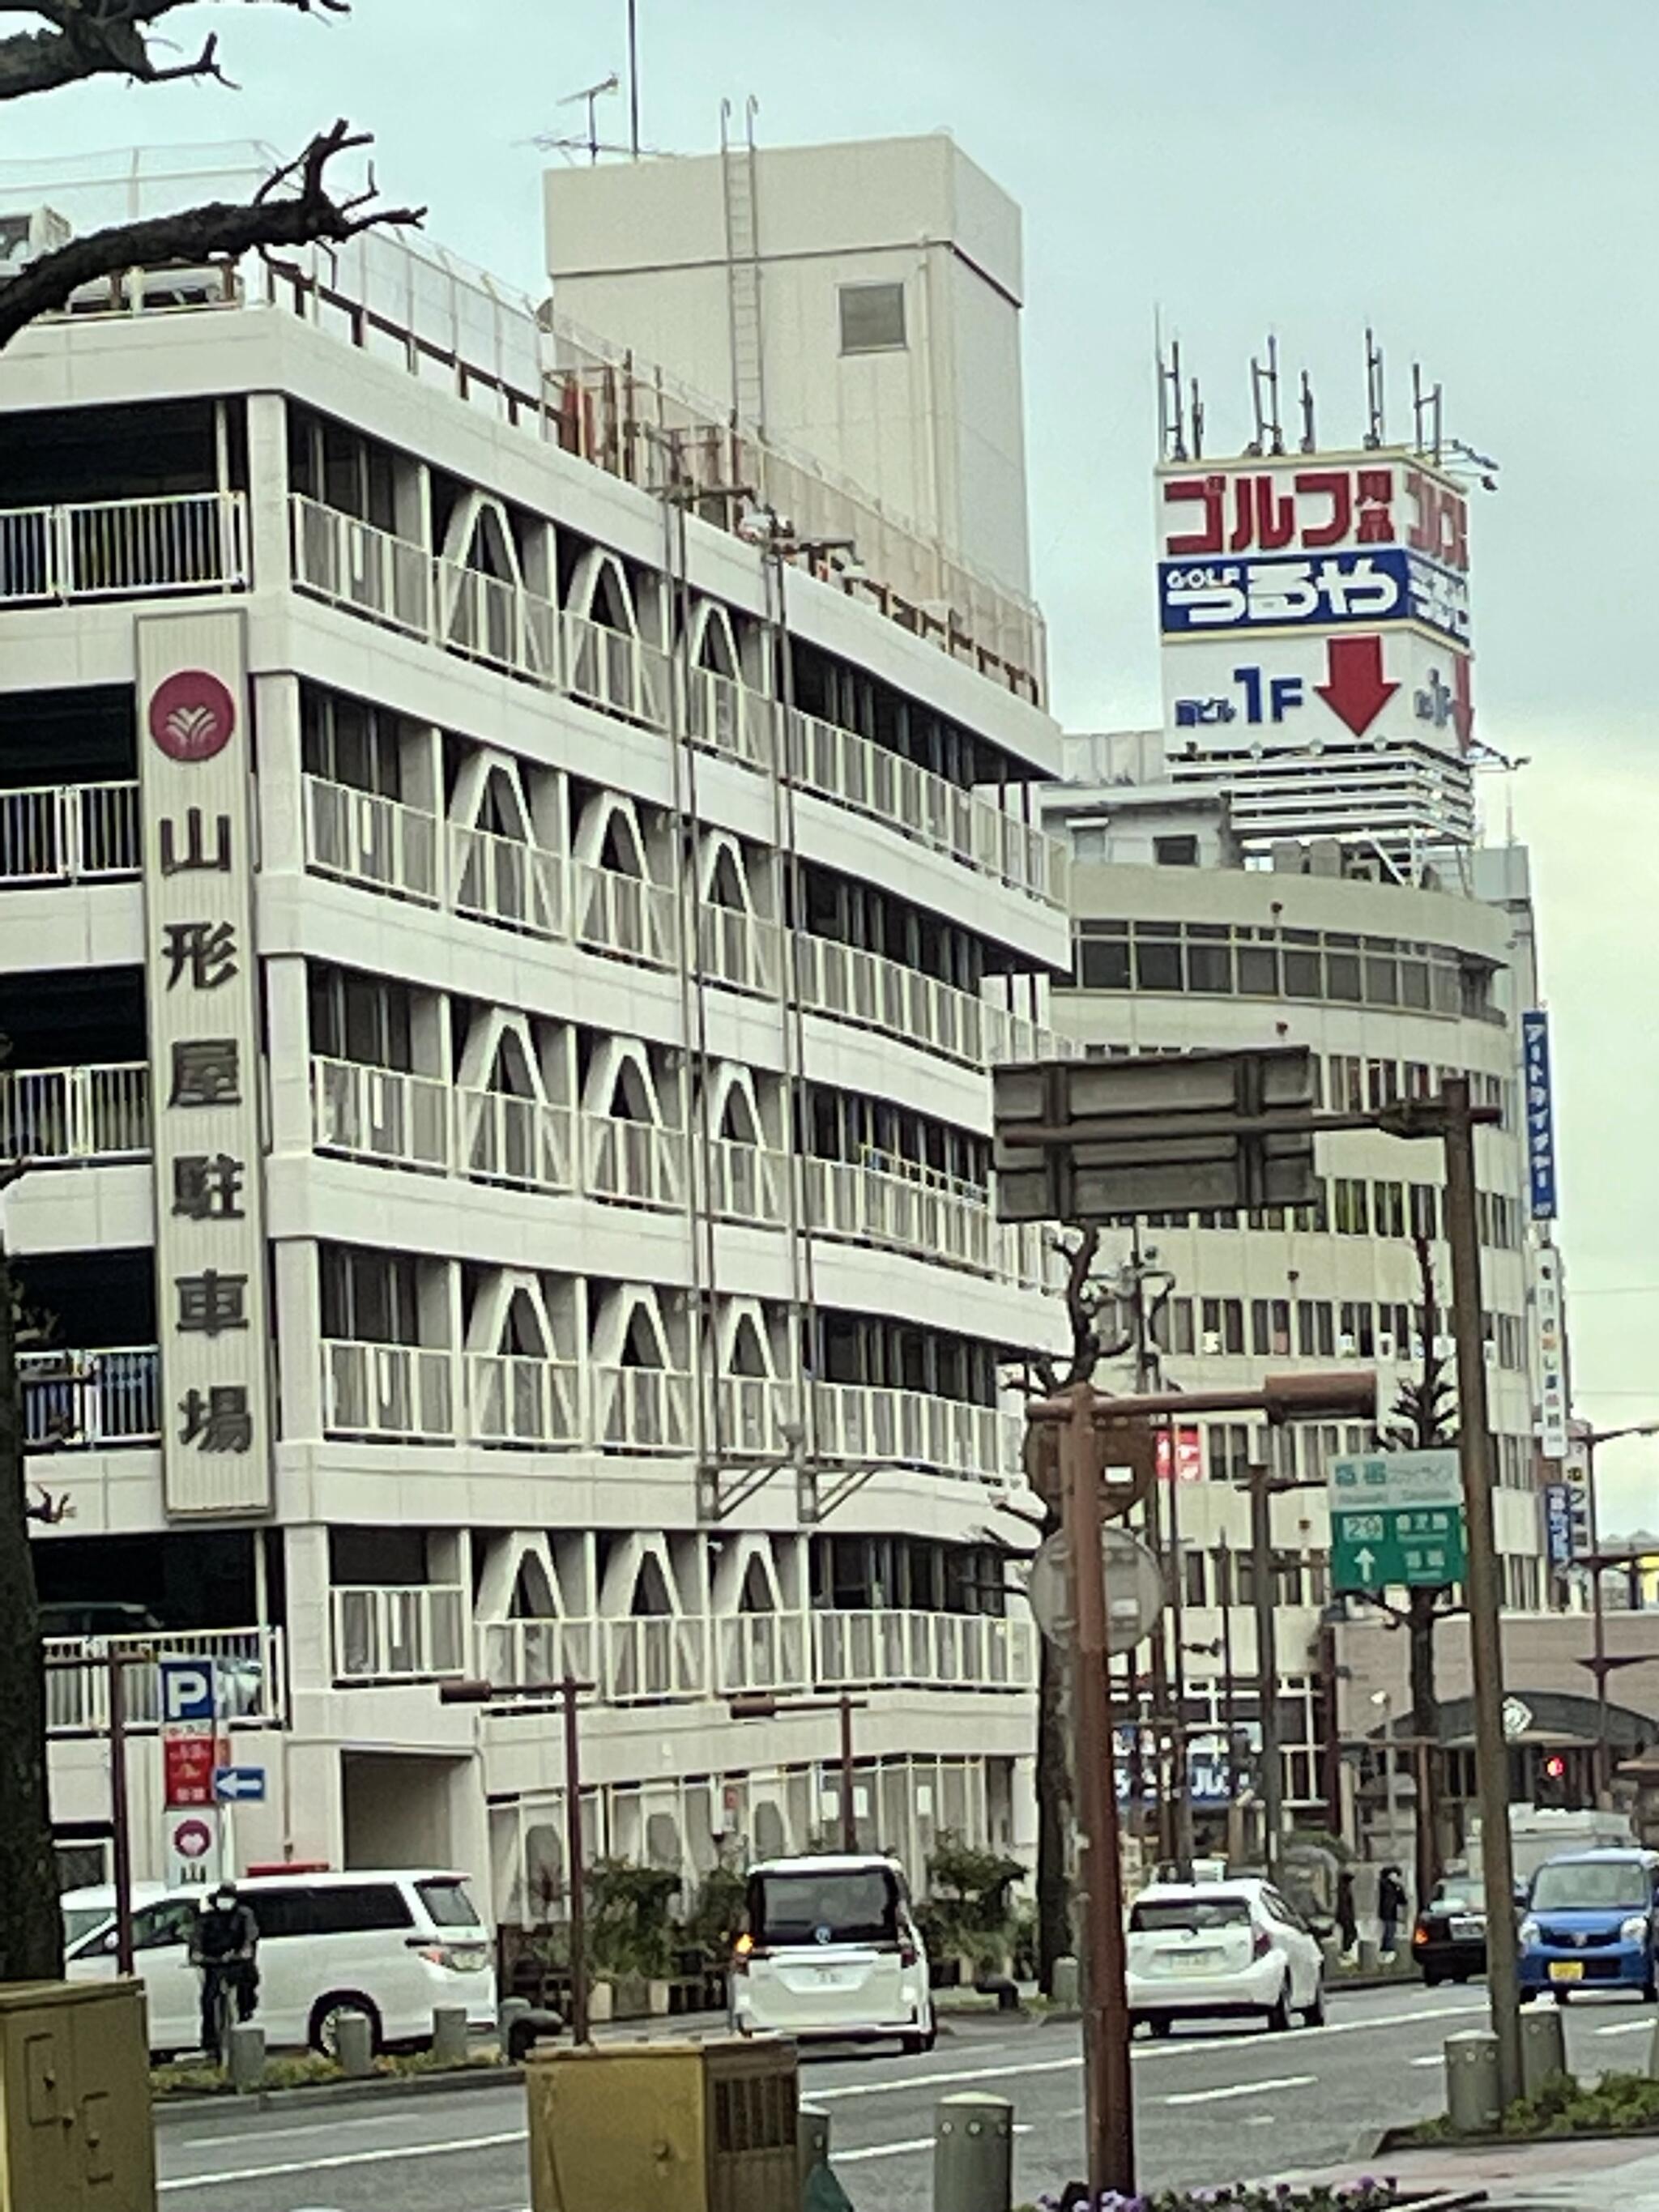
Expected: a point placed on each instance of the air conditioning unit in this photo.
(1445, 1347)
(1491, 1350)
(1211, 1343)
(1347, 1346)
(1385, 1347)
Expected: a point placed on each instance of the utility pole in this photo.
(1456, 1128)
(1262, 1594)
(762, 1707)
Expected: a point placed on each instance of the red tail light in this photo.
(1263, 1944)
(908, 1953)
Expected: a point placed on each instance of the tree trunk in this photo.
(31, 1924)
(1054, 1811)
(1425, 1721)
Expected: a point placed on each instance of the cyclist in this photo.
(225, 1945)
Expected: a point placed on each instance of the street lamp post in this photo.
(1385, 1699)
(567, 1694)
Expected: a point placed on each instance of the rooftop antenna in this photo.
(1425, 414)
(1376, 431)
(1198, 423)
(1264, 400)
(632, 80)
(1171, 420)
(593, 94)
(1309, 443)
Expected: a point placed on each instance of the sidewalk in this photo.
(1588, 2176)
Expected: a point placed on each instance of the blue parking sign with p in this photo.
(187, 1690)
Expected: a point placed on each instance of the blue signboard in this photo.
(1212, 596)
(189, 1697)
(1539, 1105)
(236, 1785)
(1558, 1523)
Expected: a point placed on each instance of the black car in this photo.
(1449, 1942)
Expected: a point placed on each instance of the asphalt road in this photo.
(1212, 2105)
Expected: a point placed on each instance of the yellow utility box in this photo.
(664, 2127)
(75, 2122)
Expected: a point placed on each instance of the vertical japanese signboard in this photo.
(200, 977)
(1552, 1361)
(1539, 1113)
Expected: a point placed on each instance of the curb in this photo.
(1402, 2139)
(338, 2092)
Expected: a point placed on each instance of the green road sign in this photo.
(1403, 1545)
(1396, 1517)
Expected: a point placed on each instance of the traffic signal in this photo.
(1555, 1767)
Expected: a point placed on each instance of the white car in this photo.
(830, 1950)
(1213, 1950)
(395, 1945)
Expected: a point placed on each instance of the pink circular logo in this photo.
(192, 1838)
(191, 715)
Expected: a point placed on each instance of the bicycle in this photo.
(224, 2014)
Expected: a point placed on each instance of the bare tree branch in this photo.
(306, 217)
(106, 37)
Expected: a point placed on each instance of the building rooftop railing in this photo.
(418, 307)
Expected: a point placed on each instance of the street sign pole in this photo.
(1267, 1662)
(1108, 2086)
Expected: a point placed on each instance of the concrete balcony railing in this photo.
(390, 1633)
(633, 1163)
(57, 1116)
(520, 1399)
(643, 1409)
(931, 1650)
(507, 882)
(753, 1412)
(383, 1113)
(381, 843)
(760, 1651)
(527, 1142)
(869, 1422)
(124, 548)
(745, 1182)
(90, 1400)
(383, 1393)
(615, 670)
(740, 949)
(247, 1664)
(627, 916)
(68, 833)
(727, 717)
(904, 1210)
(855, 772)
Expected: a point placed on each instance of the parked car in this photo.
(1205, 1951)
(84, 1909)
(1592, 1923)
(830, 1950)
(1449, 1942)
(395, 1946)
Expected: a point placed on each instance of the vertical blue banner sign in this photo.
(1539, 1106)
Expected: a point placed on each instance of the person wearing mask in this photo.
(1390, 1907)
(224, 1947)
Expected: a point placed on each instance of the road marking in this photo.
(1243, 2089)
(910, 2149)
(1148, 2053)
(391, 2156)
(1430, 2058)
(1628, 2027)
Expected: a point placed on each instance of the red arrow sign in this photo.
(1355, 689)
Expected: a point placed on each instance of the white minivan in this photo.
(396, 1946)
(830, 1950)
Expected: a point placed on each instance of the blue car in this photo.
(1592, 1923)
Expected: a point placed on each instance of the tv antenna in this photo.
(552, 142)
(1309, 443)
(1376, 430)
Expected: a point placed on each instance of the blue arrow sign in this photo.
(233, 1786)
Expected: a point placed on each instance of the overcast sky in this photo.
(1476, 177)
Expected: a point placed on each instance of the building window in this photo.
(1176, 851)
(871, 317)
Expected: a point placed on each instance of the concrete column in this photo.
(289, 1030)
(354, 2043)
(268, 486)
(298, 1333)
(310, 1633)
(1543, 2046)
(246, 2059)
(1473, 2103)
(278, 791)
(449, 2035)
